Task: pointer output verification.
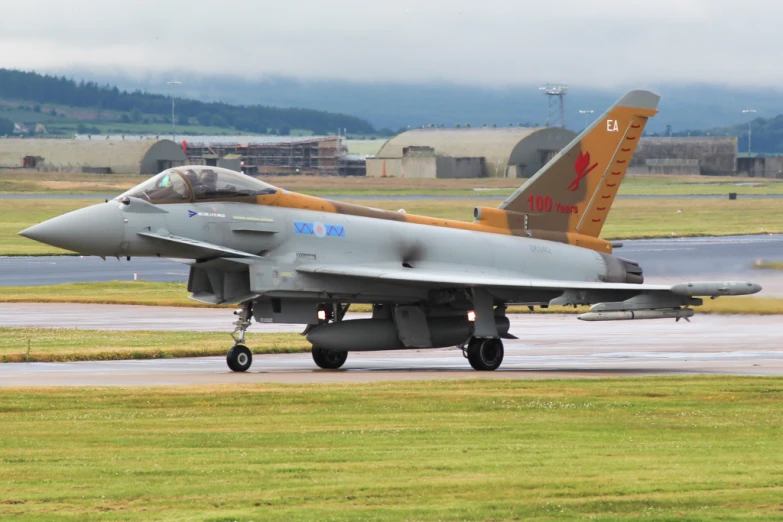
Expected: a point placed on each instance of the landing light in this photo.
(471, 316)
(322, 315)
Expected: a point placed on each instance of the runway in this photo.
(728, 257)
(550, 346)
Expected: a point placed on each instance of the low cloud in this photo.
(601, 43)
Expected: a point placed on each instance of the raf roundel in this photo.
(319, 230)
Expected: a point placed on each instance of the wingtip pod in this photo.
(715, 288)
(636, 315)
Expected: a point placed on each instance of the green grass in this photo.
(695, 448)
(12, 182)
(61, 344)
(639, 218)
(693, 217)
(768, 265)
(18, 214)
(114, 292)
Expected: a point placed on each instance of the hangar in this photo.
(707, 155)
(134, 156)
(511, 152)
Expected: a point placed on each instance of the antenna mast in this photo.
(553, 91)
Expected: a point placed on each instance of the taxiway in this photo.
(549, 346)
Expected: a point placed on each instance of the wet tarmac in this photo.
(730, 257)
(402, 197)
(550, 346)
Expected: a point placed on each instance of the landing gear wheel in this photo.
(239, 358)
(328, 359)
(485, 355)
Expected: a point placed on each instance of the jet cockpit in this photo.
(198, 183)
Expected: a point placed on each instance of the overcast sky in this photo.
(596, 43)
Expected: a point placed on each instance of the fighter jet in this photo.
(290, 258)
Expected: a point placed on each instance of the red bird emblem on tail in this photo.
(582, 168)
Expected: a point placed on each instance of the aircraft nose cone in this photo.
(97, 230)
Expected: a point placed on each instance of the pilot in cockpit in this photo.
(209, 180)
(193, 178)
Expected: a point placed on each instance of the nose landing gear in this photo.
(239, 358)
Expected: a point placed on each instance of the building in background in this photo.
(760, 165)
(270, 155)
(707, 155)
(510, 152)
(105, 156)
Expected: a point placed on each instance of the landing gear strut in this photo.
(239, 357)
(484, 355)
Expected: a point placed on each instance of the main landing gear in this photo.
(239, 357)
(323, 358)
(484, 355)
(328, 359)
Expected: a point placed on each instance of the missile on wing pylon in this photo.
(628, 315)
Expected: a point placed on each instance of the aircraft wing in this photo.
(201, 247)
(606, 297)
(461, 278)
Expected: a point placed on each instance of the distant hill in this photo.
(395, 106)
(52, 97)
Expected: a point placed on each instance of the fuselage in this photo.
(274, 231)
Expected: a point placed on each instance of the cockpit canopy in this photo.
(198, 183)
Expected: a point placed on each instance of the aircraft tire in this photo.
(328, 359)
(485, 355)
(239, 358)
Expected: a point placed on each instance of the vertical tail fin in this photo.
(572, 194)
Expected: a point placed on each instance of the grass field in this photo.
(175, 294)
(60, 344)
(695, 448)
(18, 214)
(115, 292)
(768, 265)
(67, 183)
(630, 218)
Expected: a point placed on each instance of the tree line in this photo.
(38, 88)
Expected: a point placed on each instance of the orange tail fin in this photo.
(571, 195)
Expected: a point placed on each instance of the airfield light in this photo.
(173, 128)
(584, 113)
(472, 316)
(749, 111)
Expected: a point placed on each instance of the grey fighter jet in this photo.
(290, 258)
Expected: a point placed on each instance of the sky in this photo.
(591, 43)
